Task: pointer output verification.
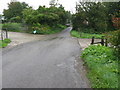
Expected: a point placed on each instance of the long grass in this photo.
(84, 35)
(102, 66)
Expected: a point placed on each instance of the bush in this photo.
(7, 40)
(61, 26)
(16, 27)
(40, 29)
(4, 43)
(102, 66)
(114, 39)
(45, 29)
(15, 19)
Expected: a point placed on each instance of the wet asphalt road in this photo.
(48, 63)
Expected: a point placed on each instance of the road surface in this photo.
(48, 63)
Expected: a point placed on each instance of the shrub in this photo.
(114, 39)
(40, 29)
(15, 19)
(4, 43)
(45, 29)
(7, 40)
(61, 26)
(16, 27)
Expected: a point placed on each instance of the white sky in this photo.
(68, 4)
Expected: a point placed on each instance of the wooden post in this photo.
(102, 41)
(92, 40)
(6, 33)
(1, 35)
(106, 42)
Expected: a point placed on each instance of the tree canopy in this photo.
(14, 11)
(46, 15)
(96, 15)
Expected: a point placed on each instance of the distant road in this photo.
(48, 63)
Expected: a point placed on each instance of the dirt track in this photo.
(19, 38)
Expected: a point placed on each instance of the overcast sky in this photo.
(68, 4)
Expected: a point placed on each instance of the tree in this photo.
(97, 14)
(113, 11)
(15, 10)
(43, 15)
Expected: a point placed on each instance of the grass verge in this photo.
(85, 35)
(49, 30)
(4, 43)
(102, 66)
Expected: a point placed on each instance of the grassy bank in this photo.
(102, 66)
(4, 43)
(84, 35)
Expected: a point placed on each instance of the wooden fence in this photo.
(103, 42)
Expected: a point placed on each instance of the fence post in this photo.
(92, 40)
(6, 33)
(106, 42)
(1, 35)
(102, 41)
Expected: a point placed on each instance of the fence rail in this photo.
(103, 42)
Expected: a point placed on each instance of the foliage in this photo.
(114, 39)
(14, 11)
(44, 19)
(7, 40)
(43, 15)
(16, 27)
(15, 19)
(116, 22)
(102, 66)
(4, 43)
(112, 12)
(85, 35)
(45, 29)
(91, 12)
(95, 15)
